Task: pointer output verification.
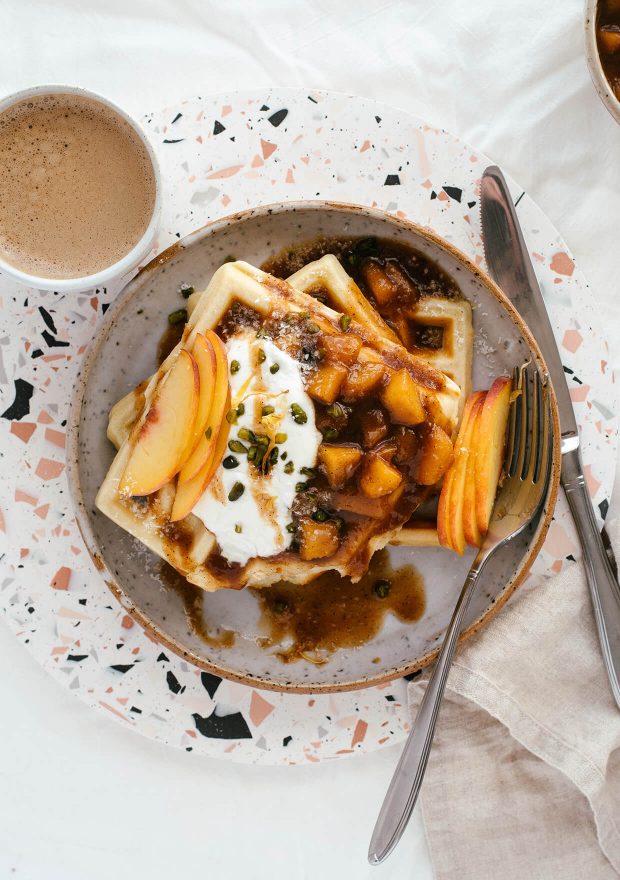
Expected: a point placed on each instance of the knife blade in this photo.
(510, 267)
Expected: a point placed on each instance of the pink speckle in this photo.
(199, 138)
(538, 257)
(365, 146)
(580, 393)
(126, 622)
(225, 200)
(42, 511)
(593, 484)
(558, 544)
(257, 161)
(305, 160)
(260, 708)
(427, 184)
(572, 340)
(289, 176)
(47, 469)
(267, 148)
(359, 733)
(226, 109)
(443, 197)
(221, 173)
(25, 498)
(556, 567)
(45, 418)
(61, 579)
(562, 264)
(58, 438)
(23, 430)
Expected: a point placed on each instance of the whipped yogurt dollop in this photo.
(256, 523)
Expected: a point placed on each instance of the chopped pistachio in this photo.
(230, 462)
(240, 409)
(236, 492)
(246, 434)
(320, 515)
(186, 290)
(335, 411)
(237, 446)
(311, 327)
(301, 487)
(231, 416)
(280, 438)
(273, 369)
(289, 467)
(299, 415)
(284, 455)
(252, 453)
(179, 316)
(238, 528)
(262, 439)
(273, 455)
(381, 588)
(329, 433)
(209, 432)
(307, 472)
(230, 259)
(267, 410)
(261, 355)
(234, 367)
(291, 527)
(345, 322)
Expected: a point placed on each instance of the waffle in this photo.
(188, 545)
(452, 356)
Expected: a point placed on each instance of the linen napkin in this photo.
(524, 776)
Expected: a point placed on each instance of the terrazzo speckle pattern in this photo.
(219, 155)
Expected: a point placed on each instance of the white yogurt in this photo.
(255, 524)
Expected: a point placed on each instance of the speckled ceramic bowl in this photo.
(124, 353)
(605, 92)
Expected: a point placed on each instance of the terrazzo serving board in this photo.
(219, 155)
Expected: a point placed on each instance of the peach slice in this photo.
(189, 491)
(470, 519)
(217, 413)
(450, 511)
(490, 443)
(204, 355)
(164, 434)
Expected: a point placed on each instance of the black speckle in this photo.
(30, 609)
(173, 683)
(570, 557)
(263, 108)
(48, 319)
(136, 710)
(227, 727)
(577, 380)
(176, 118)
(454, 192)
(568, 370)
(21, 404)
(287, 739)
(122, 667)
(163, 657)
(433, 195)
(210, 682)
(104, 308)
(218, 128)
(278, 117)
(77, 657)
(377, 119)
(314, 101)
(82, 601)
(390, 698)
(604, 507)
(171, 141)
(470, 204)
(392, 180)
(52, 341)
(36, 353)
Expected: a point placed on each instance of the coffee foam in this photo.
(78, 186)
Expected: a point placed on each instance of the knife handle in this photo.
(604, 587)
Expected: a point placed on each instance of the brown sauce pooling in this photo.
(170, 338)
(192, 598)
(608, 41)
(315, 620)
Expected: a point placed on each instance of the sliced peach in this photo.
(317, 539)
(362, 379)
(379, 477)
(435, 456)
(325, 382)
(470, 519)
(339, 462)
(490, 441)
(217, 413)
(164, 434)
(450, 511)
(189, 491)
(342, 349)
(204, 355)
(402, 398)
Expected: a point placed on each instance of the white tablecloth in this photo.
(80, 796)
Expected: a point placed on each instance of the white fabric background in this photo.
(79, 796)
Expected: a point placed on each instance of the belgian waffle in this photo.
(188, 545)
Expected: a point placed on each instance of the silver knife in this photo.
(510, 266)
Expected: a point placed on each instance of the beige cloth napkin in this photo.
(524, 776)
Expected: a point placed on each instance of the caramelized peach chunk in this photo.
(379, 478)
(339, 462)
(362, 505)
(435, 456)
(342, 349)
(317, 539)
(374, 427)
(362, 380)
(402, 399)
(609, 39)
(325, 383)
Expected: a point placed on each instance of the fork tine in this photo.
(511, 442)
(523, 419)
(529, 466)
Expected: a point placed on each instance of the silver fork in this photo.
(527, 464)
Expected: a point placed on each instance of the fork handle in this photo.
(407, 779)
(604, 587)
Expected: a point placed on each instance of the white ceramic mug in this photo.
(133, 258)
